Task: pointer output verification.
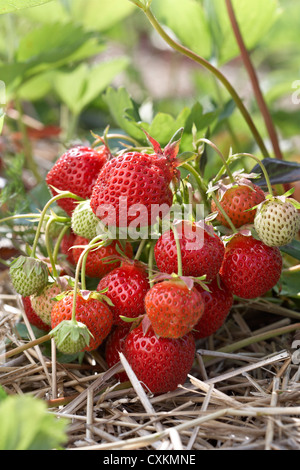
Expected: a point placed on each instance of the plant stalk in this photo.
(254, 81)
(218, 74)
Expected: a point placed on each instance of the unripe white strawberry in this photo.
(84, 221)
(43, 302)
(277, 221)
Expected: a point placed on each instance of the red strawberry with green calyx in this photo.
(98, 262)
(160, 364)
(237, 200)
(28, 275)
(76, 171)
(202, 251)
(173, 308)
(132, 185)
(250, 268)
(126, 286)
(92, 323)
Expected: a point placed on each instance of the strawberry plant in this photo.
(145, 229)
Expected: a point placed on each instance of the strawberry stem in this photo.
(200, 183)
(205, 63)
(226, 166)
(64, 194)
(49, 247)
(58, 242)
(140, 249)
(81, 265)
(263, 168)
(178, 249)
(151, 263)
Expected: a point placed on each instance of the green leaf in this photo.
(26, 425)
(253, 19)
(289, 284)
(8, 6)
(188, 22)
(292, 249)
(120, 105)
(279, 171)
(84, 84)
(100, 17)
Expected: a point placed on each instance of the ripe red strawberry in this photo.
(127, 286)
(131, 186)
(250, 268)
(92, 312)
(76, 171)
(115, 344)
(97, 265)
(66, 245)
(160, 364)
(33, 318)
(236, 201)
(217, 305)
(202, 251)
(172, 308)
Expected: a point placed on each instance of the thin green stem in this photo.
(263, 168)
(140, 249)
(218, 151)
(200, 182)
(100, 140)
(178, 249)
(218, 74)
(214, 197)
(62, 195)
(49, 247)
(254, 81)
(151, 264)
(81, 262)
(58, 242)
(224, 213)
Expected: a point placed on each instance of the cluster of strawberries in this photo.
(153, 312)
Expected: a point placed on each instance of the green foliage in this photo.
(8, 6)
(206, 28)
(26, 425)
(81, 86)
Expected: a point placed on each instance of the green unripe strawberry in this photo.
(84, 221)
(28, 275)
(71, 337)
(277, 221)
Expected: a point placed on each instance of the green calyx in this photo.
(71, 337)
(28, 275)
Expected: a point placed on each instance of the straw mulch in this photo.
(242, 393)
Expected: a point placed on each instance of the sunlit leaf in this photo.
(81, 86)
(26, 425)
(188, 22)
(7, 6)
